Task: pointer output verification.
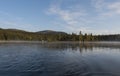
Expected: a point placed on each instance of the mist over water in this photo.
(59, 59)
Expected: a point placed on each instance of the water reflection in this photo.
(60, 59)
(88, 59)
(80, 46)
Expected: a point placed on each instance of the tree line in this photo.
(6, 34)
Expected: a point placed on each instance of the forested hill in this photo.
(16, 34)
(50, 32)
(49, 35)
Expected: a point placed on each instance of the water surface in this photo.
(59, 59)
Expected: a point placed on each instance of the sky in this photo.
(90, 16)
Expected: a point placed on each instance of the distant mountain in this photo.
(46, 35)
(39, 32)
(50, 32)
(14, 30)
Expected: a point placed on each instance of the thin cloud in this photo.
(99, 5)
(115, 7)
(106, 8)
(67, 15)
(11, 21)
(73, 18)
(11, 16)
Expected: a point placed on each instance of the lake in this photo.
(60, 59)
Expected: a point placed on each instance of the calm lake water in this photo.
(60, 59)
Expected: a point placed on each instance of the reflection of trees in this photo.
(78, 46)
(69, 46)
(85, 47)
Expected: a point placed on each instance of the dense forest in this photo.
(48, 35)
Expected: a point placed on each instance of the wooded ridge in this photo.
(49, 35)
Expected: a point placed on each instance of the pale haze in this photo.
(90, 16)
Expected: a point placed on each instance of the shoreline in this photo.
(12, 41)
(20, 41)
(93, 43)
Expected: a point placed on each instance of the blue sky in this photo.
(91, 16)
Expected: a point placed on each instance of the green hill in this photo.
(49, 35)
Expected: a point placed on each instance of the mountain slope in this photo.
(50, 32)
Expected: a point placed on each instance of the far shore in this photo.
(14, 41)
(101, 42)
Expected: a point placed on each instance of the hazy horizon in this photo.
(90, 16)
